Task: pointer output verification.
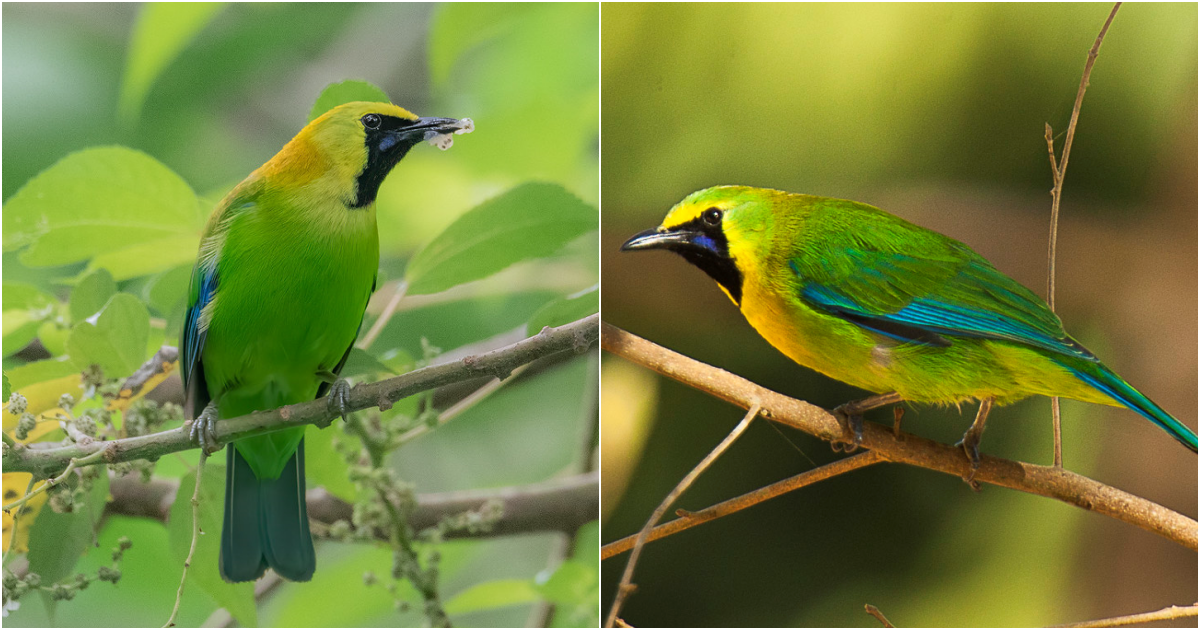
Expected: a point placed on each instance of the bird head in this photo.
(715, 229)
(351, 148)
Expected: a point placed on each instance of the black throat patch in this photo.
(385, 148)
(709, 250)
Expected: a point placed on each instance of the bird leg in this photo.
(850, 415)
(970, 440)
(204, 429)
(339, 393)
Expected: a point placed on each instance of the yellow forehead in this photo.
(689, 209)
(358, 109)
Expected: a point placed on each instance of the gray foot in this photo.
(204, 429)
(852, 425)
(339, 397)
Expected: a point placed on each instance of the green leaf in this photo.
(238, 599)
(530, 221)
(506, 64)
(7, 387)
(162, 31)
(569, 584)
(167, 294)
(91, 294)
(57, 540)
(40, 372)
(458, 29)
(347, 91)
(325, 466)
(147, 258)
(573, 588)
(117, 341)
(361, 362)
(494, 594)
(565, 310)
(25, 308)
(168, 289)
(18, 295)
(105, 203)
(19, 330)
(53, 337)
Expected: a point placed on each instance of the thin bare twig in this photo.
(384, 317)
(725, 508)
(626, 586)
(75, 462)
(1047, 481)
(195, 536)
(1166, 614)
(455, 410)
(1060, 172)
(875, 612)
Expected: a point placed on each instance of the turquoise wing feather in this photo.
(932, 289)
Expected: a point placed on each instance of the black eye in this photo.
(372, 121)
(712, 216)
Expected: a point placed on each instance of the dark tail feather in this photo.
(266, 522)
(1108, 382)
(287, 543)
(241, 557)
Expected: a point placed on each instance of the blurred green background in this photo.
(224, 88)
(934, 113)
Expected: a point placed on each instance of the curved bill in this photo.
(653, 239)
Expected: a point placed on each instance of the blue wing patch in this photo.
(204, 279)
(930, 321)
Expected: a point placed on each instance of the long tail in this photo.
(266, 522)
(1105, 380)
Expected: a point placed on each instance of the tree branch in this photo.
(688, 519)
(1055, 483)
(45, 459)
(561, 505)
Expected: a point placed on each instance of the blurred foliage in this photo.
(159, 110)
(934, 112)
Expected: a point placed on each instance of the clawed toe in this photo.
(852, 426)
(971, 449)
(339, 397)
(204, 429)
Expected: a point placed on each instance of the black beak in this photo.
(654, 239)
(437, 125)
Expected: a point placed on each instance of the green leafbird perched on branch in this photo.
(286, 266)
(893, 308)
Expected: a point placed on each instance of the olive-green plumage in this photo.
(286, 266)
(877, 302)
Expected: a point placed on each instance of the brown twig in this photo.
(725, 508)
(875, 612)
(1059, 170)
(1166, 614)
(46, 459)
(558, 505)
(626, 585)
(187, 562)
(1047, 481)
